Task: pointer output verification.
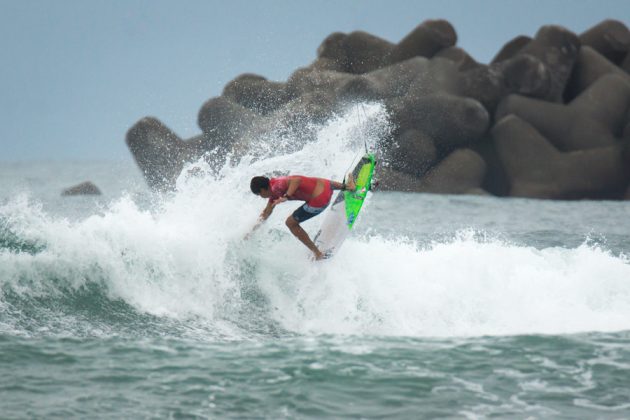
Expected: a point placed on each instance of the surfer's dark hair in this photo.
(258, 183)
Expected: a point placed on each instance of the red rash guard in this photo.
(279, 186)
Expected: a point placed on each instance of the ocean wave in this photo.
(184, 262)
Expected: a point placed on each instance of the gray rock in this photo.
(592, 120)
(522, 74)
(418, 76)
(390, 179)
(607, 101)
(158, 151)
(589, 67)
(202, 146)
(332, 51)
(358, 52)
(311, 107)
(610, 38)
(512, 48)
(225, 121)
(461, 172)
(413, 153)
(329, 64)
(84, 188)
(256, 93)
(451, 121)
(626, 146)
(425, 40)
(311, 80)
(366, 52)
(363, 89)
(437, 75)
(439, 100)
(536, 169)
(495, 181)
(557, 48)
(461, 58)
(526, 75)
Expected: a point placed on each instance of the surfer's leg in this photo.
(298, 232)
(301, 214)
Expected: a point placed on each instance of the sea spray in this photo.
(183, 257)
(182, 264)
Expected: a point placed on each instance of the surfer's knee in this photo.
(291, 222)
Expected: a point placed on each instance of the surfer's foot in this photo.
(350, 185)
(319, 255)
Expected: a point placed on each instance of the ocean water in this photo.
(137, 305)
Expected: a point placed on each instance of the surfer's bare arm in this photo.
(337, 185)
(346, 185)
(263, 216)
(292, 187)
(266, 211)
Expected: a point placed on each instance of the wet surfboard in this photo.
(345, 208)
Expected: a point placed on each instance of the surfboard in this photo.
(344, 210)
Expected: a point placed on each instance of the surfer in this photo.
(315, 192)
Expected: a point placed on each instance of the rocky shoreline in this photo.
(548, 117)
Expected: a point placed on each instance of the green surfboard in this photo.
(344, 210)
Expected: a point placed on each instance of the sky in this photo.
(77, 74)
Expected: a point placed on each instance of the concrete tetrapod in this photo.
(451, 121)
(158, 151)
(256, 93)
(610, 38)
(309, 80)
(417, 76)
(332, 50)
(522, 74)
(589, 67)
(413, 152)
(536, 169)
(311, 107)
(425, 40)
(459, 56)
(592, 120)
(461, 172)
(511, 48)
(358, 52)
(366, 52)
(420, 76)
(557, 48)
(224, 120)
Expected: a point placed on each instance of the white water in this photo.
(187, 260)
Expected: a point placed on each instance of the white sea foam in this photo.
(187, 260)
(461, 288)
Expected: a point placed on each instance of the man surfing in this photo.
(315, 192)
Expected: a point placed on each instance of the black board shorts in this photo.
(305, 212)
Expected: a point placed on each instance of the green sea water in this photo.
(135, 305)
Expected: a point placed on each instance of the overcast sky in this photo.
(76, 74)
